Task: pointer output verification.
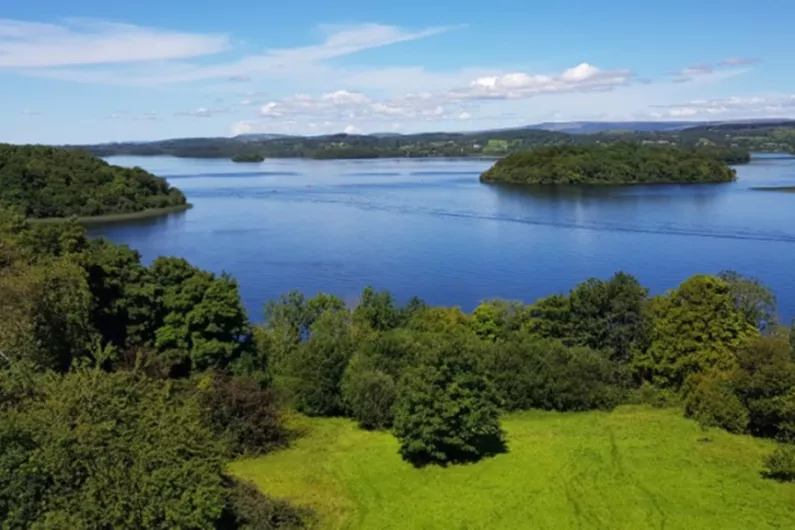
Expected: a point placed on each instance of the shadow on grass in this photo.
(445, 454)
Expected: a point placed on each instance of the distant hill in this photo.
(586, 127)
(751, 135)
(589, 127)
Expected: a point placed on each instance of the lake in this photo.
(428, 227)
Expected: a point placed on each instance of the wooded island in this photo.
(618, 163)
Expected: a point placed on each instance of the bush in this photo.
(764, 381)
(369, 394)
(545, 374)
(711, 401)
(780, 464)
(240, 411)
(447, 410)
(248, 509)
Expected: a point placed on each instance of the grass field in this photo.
(635, 467)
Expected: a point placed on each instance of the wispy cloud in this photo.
(739, 61)
(691, 73)
(781, 106)
(203, 112)
(124, 43)
(26, 45)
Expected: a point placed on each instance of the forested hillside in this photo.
(618, 163)
(43, 182)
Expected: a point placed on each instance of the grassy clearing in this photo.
(119, 217)
(635, 467)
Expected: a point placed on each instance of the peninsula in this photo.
(46, 182)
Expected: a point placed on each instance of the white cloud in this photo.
(28, 112)
(450, 104)
(350, 129)
(88, 42)
(518, 85)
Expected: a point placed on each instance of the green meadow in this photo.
(635, 468)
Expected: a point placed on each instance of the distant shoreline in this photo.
(118, 217)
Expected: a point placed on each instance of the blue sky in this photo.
(92, 71)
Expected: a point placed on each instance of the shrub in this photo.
(447, 410)
(369, 394)
(248, 509)
(764, 380)
(240, 411)
(711, 401)
(780, 464)
(545, 374)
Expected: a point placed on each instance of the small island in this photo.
(51, 183)
(251, 158)
(613, 164)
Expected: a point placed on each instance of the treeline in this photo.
(617, 163)
(734, 140)
(43, 182)
(125, 388)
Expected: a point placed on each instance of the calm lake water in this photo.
(430, 228)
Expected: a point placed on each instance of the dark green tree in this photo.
(447, 409)
(610, 315)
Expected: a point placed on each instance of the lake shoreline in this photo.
(119, 217)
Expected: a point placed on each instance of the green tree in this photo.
(368, 393)
(496, 319)
(204, 323)
(98, 450)
(764, 381)
(694, 328)
(610, 315)
(543, 373)
(755, 300)
(447, 410)
(318, 364)
(712, 402)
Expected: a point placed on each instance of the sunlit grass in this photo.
(635, 467)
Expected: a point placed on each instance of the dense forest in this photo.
(43, 182)
(617, 163)
(125, 388)
(742, 138)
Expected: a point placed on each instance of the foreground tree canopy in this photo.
(618, 163)
(42, 182)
